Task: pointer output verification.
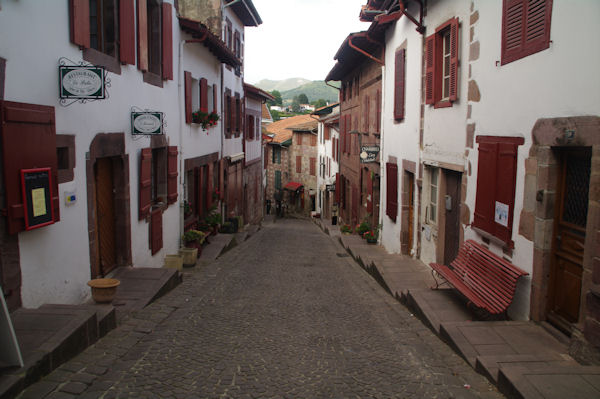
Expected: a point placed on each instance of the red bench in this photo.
(485, 279)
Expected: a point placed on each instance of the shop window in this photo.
(525, 28)
(496, 182)
(441, 59)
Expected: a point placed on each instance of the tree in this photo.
(277, 101)
(302, 99)
(276, 115)
(319, 103)
(295, 105)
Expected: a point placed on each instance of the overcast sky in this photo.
(298, 38)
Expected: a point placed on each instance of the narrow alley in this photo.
(286, 313)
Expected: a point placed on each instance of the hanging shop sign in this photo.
(330, 187)
(368, 153)
(82, 82)
(146, 122)
(36, 188)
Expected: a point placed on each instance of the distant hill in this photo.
(281, 85)
(314, 90)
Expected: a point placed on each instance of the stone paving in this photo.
(286, 314)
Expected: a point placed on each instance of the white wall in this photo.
(324, 152)
(254, 146)
(55, 260)
(560, 81)
(400, 139)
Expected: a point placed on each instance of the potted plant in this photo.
(104, 289)
(362, 228)
(227, 228)
(346, 229)
(187, 209)
(205, 119)
(213, 220)
(371, 237)
(192, 239)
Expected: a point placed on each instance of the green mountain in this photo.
(314, 90)
(281, 85)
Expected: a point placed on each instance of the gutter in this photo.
(363, 52)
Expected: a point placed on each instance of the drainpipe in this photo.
(363, 52)
(382, 175)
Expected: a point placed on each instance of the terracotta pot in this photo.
(189, 256)
(104, 289)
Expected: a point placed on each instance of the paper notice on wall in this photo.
(501, 214)
(38, 199)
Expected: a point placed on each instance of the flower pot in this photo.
(174, 262)
(104, 289)
(189, 256)
(371, 240)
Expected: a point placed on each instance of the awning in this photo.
(293, 186)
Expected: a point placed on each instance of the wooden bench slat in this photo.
(486, 279)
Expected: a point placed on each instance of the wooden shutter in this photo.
(156, 231)
(28, 141)
(505, 186)
(453, 95)
(145, 191)
(209, 186)
(142, 35)
(187, 81)
(366, 113)
(391, 208)
(313, 166)
(203, 95)
(525, 28)
(171, 174)
(221, 179)
(429, 69)
(298, 164)
(369, 193)
(167, 41)
(338, 188)
(215, 98)
(238, 114)
(127, 31)
(299, 138)
(342, 129)
(79, 13)
(486, 187)
(399, 83)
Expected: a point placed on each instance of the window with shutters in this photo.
(103, 26)
(299, 138)
(250, 127)
(432, 207)
(276, 155)
(313, 140)
(298, 163)
(238, 115)
(525, 28)
(391, 206)
(277, 180)
(227, 113)
(158, 178)
(159, 175)
(496, 182)
(399, 83)
(441, 65)
(153, 9)
(313, 166)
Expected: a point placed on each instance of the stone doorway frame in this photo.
(537, 217)
(106, 145)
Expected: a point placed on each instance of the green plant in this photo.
(346, 228)
(213, 219)
(205, 119)
(227, 228)
(363, 228)
(191, 236)
(370, 235)
(187, 208)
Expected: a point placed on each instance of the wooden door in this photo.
(410, 182)
(105, 215)
(451, 204)
(569, 236)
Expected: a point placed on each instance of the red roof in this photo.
(293, 186)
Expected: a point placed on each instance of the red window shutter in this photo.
(391, 208)
(399, 84)
(454, 60)
(80, 22)
(145, 182)
(355, 204)
(313, 140)
(221, 179)
(187, 78)
(127, 31)
(298, 164)
(209, 186)
(156, 231)
(171, 174)
(203, 95)
(313, 166)
(215, 99)
(378, 111)
(142, 35)
(366, 113)
(525, 28)
(348, 137)
(486, 187)
(167, 41)
(338, 188)
(369, 193)
(429, 69)
(299, 138)
(506, 181)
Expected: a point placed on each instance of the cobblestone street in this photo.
(285, 314)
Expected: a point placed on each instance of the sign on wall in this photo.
(368, 153)
(36, 186)
(146, 122)
(81, 82)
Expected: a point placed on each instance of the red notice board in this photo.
(36, 187)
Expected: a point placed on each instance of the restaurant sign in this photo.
(82, 82)
(368, 153)
(147, 122)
